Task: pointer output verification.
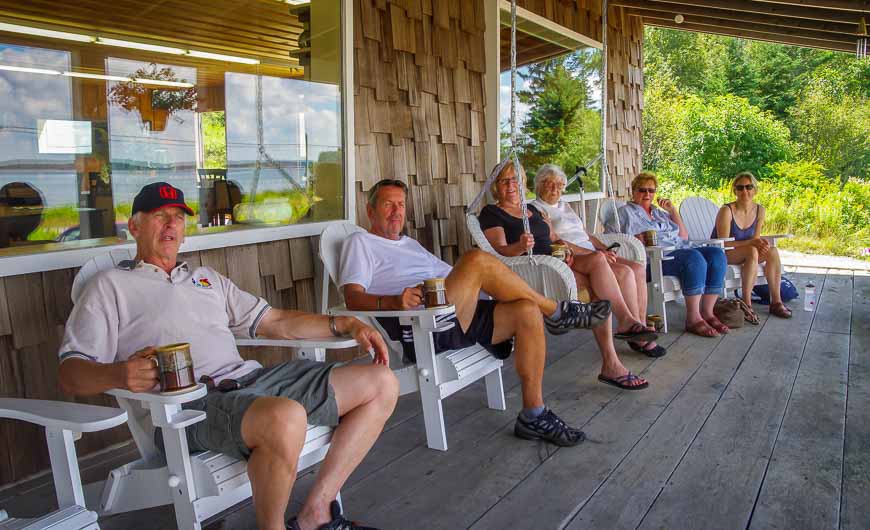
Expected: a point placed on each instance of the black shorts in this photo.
(478, 332)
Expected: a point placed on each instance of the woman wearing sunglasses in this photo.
(701, 270)
(749, 248)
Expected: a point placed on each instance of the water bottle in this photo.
(809, 297)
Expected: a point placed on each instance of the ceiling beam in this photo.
(762, 8)
(789, 22)
(739, 25)
(754, 35)
(845, 5)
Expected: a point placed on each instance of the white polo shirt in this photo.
(138, 304)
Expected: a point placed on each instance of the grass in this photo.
(824, 218)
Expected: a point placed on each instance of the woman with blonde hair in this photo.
(743, 220)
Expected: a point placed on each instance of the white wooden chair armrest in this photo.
(630, 247)
(658, 253)
(161, 399)
(773, 238)
(426, 317)
(717, 242)
(329, 343)
(76, 417)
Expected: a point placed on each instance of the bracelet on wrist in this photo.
(332, 328)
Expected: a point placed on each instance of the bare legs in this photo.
(609, 282)
(747, 258)
(773, 273)
(521, 319)
(274, 428)
(699, 309)
(478, 271)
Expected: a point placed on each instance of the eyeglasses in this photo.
(553, 184)
(646, 190)
(741, 187)
(504, 182)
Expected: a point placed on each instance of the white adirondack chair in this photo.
(64, 423)
(435, 376)
(199, 485)
(699, 215)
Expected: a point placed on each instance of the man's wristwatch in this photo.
(332, 328)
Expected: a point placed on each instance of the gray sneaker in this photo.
(578, 315)
(548, 427)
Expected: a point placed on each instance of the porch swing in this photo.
(548, 275)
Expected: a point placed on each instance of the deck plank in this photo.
(855, 509)
(564, 482)
(834, 309)
(716, 483)
(802, 486)
(630, 490)
(484, 462)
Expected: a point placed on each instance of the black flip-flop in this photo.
(658, 351)
(622, 381)
(638, 333)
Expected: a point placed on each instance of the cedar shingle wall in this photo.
(419, 111)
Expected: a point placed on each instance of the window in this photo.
(559, 105)
(238, 105)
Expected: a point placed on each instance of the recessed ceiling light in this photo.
(27, 30)
(139, 46)
(27, 70)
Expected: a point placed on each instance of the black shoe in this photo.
(338, 521)
(548, 427)
(578, 315)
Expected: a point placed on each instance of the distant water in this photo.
(59, 187)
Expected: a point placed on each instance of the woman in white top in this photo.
(550, 182)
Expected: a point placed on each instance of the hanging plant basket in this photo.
(154, 104)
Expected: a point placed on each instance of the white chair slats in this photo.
(64, 422)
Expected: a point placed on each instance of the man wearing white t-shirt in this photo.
(259, 414)
(382, 269)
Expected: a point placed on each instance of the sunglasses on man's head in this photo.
(646, 190)
(741, 187)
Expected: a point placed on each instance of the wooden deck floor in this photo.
(767, 427)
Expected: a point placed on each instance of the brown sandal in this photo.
(718, 325)
(702, 329)
(779, 309)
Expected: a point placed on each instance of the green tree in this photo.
(214, 139)
(833, 127)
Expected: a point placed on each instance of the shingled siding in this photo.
(419, 111)
(34, 308)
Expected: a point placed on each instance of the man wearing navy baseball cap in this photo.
(126, 311)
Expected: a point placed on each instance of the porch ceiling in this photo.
(828, 24)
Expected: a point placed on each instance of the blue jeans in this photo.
(700, 270)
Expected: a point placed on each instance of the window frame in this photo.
(64, 259)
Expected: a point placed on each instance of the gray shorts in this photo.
(303, 381)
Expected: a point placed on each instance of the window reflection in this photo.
(232, 107)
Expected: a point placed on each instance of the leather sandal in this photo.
(779, 309)
(717, 324)
(702, 329)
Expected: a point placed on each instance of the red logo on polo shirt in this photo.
(202, 282)
(168, 192)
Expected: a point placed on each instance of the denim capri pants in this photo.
(700, 270)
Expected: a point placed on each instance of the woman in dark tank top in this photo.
(743, 220)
